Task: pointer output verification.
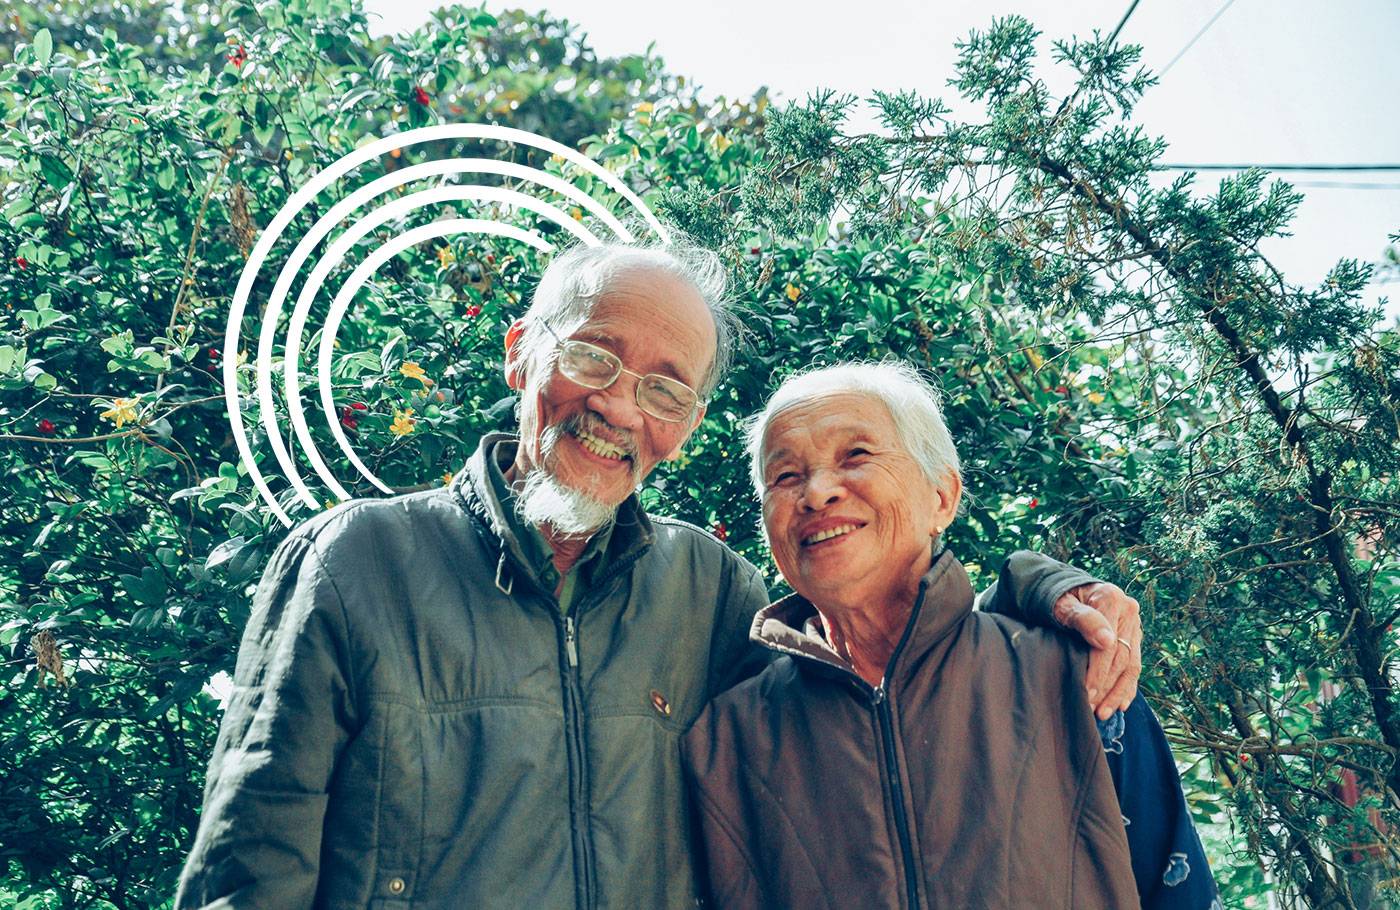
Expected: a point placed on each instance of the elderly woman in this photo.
(907, 750)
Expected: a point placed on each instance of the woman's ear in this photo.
(949, 497)
(515, 366)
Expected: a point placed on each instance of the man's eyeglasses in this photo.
(596, 368)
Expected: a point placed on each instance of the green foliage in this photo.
(1243, 474)
(1133, 386)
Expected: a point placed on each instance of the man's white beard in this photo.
(546, 500)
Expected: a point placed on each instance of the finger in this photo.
(1096, 676)
(1123, 687)
(1123, 691)
(1118, 666)
(1124, 675)
(1129, 683)
(1096, 628)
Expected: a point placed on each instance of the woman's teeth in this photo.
(828, 534)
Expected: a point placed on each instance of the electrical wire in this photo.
(1205, 28)
(1277, 167)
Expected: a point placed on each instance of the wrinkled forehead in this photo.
(648, 311)
(827, 417)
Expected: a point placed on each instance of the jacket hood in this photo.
(793, 626)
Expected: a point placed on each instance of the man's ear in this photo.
(515, 367)
(676, 452)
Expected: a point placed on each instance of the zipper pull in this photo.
(879, 693)
(570, 648)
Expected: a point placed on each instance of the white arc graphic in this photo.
(397, 208)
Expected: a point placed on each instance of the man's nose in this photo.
(617, 404)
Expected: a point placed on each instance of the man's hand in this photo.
(1109, 621)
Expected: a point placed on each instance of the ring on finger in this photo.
(1125, 643)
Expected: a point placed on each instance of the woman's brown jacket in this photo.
(973, 778)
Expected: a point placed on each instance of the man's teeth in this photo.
(828, 534)
(598, 446)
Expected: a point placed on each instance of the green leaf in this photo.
(10, 359)
(147, 590)
(43, 47)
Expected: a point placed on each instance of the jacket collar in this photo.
(632, 532)
(792, 626)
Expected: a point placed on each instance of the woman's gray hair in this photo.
(913, 402)
(577, 277)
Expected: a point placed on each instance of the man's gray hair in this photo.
(913, 402)
(579, 276)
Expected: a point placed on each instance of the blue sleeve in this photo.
(1168, 860)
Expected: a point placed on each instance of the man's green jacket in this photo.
(415, 722)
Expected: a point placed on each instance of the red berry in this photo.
(348, 419)
(490, 258)
(22, 262)
(721, 531)
(358, 405)
(421, 96)
(1033, 503)
(1063, 390)
(473, 311)
(213, 354)
(238, 57)
(47, 427)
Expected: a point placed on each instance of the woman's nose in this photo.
(824, 488)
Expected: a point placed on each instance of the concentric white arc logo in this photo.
(335, 254)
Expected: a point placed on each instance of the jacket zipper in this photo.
(881, 704)
(578, 769)
(574, 735)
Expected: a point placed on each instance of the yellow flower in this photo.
(403, 422)
(722, 142)
(576, 213)
(1034, 357)
(793, 292)
(1095, 397)
(122, 411)
(445, 257)
(646, 107)
(447, 479)
(414, 371)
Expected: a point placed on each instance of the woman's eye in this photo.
(784, 477)
(857, 452)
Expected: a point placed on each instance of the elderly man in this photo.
(473, 696)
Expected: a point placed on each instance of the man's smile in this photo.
(599, 446)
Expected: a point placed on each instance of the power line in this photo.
(1276, 167)
(1342, 185)
(1124, 21)
(1205, 28)
(1069, 100)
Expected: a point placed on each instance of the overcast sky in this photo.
(1271, 81)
